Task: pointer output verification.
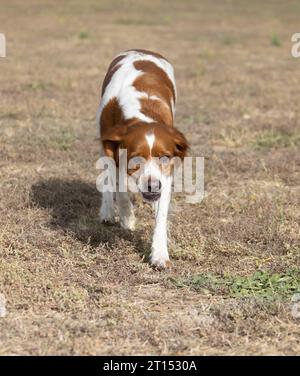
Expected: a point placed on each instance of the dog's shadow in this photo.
(74, 208)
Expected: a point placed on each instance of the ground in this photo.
(74, 286)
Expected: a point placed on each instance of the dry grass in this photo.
(76, 287)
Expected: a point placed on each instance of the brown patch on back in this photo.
(157, 110)
(155, 82)
(156, 78)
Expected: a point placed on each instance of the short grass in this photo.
(277, 139)
(275, 40)
(74, 286)
(260, 284)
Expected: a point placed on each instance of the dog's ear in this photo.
(181, 144)
(111, 138)
(115, 133)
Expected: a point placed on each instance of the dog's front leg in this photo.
(159, 253)
(107, 213)
(127, 217)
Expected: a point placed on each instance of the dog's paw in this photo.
(160, 262)
(128, 223)
(107, 216)
(108, 221)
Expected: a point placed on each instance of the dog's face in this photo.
(151, 149)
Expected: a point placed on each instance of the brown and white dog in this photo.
(136, 113)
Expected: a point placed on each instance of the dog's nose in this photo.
(154, 185)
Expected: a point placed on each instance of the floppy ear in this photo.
(115, 133)
(111, 138)
(181, 144)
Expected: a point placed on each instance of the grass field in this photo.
(74, 286)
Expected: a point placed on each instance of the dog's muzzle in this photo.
(151, 189)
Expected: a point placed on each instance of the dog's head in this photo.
(151, 151)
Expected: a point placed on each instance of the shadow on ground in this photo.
(74, 207)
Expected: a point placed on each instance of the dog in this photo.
(136, 113)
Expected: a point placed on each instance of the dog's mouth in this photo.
(151, 196)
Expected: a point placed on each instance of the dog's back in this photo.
(139, 85)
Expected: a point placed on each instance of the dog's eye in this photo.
(131, 171)
(165, 159)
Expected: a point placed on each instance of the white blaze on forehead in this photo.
(150, 140)
(121, 86)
